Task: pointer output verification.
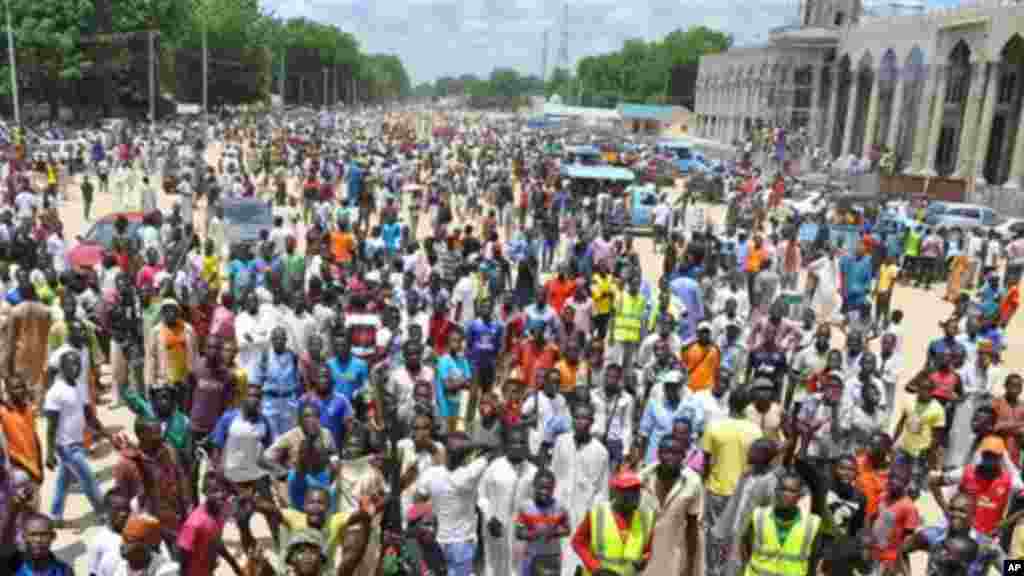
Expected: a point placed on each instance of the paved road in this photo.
(922, 312)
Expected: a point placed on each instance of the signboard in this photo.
(189, 108)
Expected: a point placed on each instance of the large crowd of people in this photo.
(445, 358)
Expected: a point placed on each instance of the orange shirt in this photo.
(22, 443)
(755, 257)
(872, 483)
(559, 292)
(342, 244)
(702, 362)
(530, 359)
(1008, 307)
(568, 373)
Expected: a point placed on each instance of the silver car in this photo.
(965, 216)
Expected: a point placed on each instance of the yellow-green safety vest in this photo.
(606, 541)
(773, 558)
(629, 317)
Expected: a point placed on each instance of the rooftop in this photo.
(645, 112)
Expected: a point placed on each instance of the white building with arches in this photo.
(943, 88)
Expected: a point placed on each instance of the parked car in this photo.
(805, 202)
(1010, 228)
(99, 238)
(968, 216)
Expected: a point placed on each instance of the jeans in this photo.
(459, 556)
(73, 460)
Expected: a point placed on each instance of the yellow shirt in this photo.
(332, 530)
(886, 277)
(603, 293)
(919, 426)
(728, 440)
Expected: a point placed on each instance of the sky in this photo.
(450, 37)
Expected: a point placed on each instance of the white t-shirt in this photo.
(662, 214)
(68, 404)
(26, 202)
(104, 552)
(244, 444)
(464, 293)
(453, 495)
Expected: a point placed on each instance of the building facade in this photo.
(941, 88)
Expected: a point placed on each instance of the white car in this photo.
(1009, 228)
(804, 203)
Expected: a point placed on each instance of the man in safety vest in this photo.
(615, 537)
(627, 322)
(780, 539)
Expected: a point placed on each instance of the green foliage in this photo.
(48, 36)
(640, 71)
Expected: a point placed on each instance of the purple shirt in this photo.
(210, 398)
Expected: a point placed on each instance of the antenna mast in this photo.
(544, 57)
(563, 55)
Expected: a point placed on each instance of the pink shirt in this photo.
(196, 537)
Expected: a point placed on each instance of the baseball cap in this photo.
(704, 325)
(994, 445)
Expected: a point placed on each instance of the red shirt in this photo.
(945, 384)
(582, 538)
(559, 291)
(439, 328)
(991, 497)
(895, 522)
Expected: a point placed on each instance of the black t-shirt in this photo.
(769, 364)
(504, 194)
(843, 509)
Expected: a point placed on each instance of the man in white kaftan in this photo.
(252, 330)
(580, 464)
(506, 484)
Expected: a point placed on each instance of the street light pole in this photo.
(12, 63)
(205, 79)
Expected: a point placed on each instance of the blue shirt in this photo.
(483, 340)
(350, 377)
(14, 296)
(219, 437)
(333, 413)
(354, 179)
(659, 417)
(392, 234)
(989, 553)
(856, 275)
(281, 374)
(446, 366)
(689, 293)
(298, 485)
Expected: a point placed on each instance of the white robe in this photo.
(582, 482)
(503, 489)
(825, 301)
(250, 351)
(547, 410)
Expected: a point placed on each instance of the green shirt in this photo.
(177, 429)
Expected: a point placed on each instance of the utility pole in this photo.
(206, 80)
(152, 76)
(563, 56)
(11, 62)
(544, 57)
(281, 78)
(325, 87)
